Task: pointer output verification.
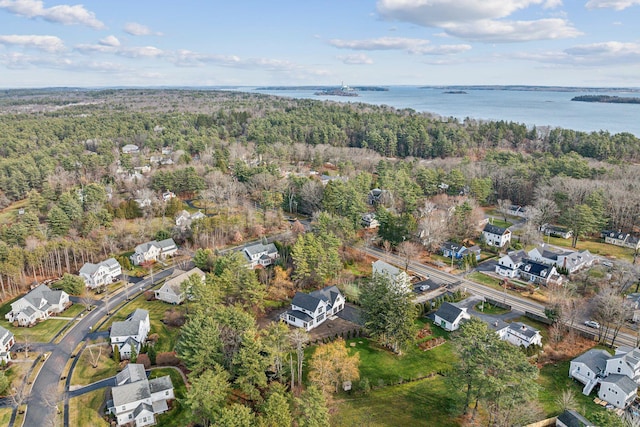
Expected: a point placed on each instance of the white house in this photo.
(154, 251)
(369, 221)
(184, 219)
(311, 310)
(449, 316)
(168, 195)
(130, 149)
(509, 264)
(129, 334)
(539, 273)
(556, 231)
(37, 305)
(260, 254)
(618, 390)
(520, 334)
(571, 260)
(171, 291)
(398, 278)
(103, 273)
(517, 210)
(7, 340)
(136, 401)
(617, 375)
(496, 236)
(619, 238)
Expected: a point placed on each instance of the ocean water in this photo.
(533, 108)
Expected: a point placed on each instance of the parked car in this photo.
(424, 287)
(592, 324)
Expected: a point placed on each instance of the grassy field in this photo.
(488, 308)
(5, 416)
(85, 374)
(10, 213)
(41, 332)
(427, 402)
(381, 367)
(177, 414)
(84, 410)
(499, 222)
(167, 334)
(554, 378)
(595, 246)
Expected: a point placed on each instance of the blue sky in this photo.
(300, 42)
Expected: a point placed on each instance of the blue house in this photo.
(458, 251)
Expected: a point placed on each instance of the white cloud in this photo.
(612, 4)
(110, 41)
(513, 31)
(479, 20)
(417, 46)
(61, 14)
(136, 29)
(595, 54)
(356, 59)
(45, 43)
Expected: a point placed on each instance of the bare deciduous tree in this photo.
(408, 251)
(95, 352)
(299, 338)
(503, 207)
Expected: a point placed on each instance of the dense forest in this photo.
(243, 156)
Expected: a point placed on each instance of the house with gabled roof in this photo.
(626, 361)
(571, 418)
(171, 291)
(260, 255)
(449, 316)
(129, 334)
(311, 310)
(520, 334)
(571, 260)
(130, 149)
(458, 251)
(7, 340)
(153, 251)
(588, 368)
(399, 279)
(618, 390)
(509, 264)
(39, 304)
(185, 218)
(136, 400)
(103, 273)
(539, 273)
(556, 231)
(496, 236)
(619, 238)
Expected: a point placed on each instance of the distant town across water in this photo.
(538, 106)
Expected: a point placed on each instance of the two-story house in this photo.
(496, 236)
(129, 334)
(573, 261)
(7, 340)
(311, 310)
(184, 219)
(538, 273)
(153, 251)
(136, 400)
(588, 368)
(39, 304)
(103, 273)
(618, 390)
(399, 279)
(520, 334)
(260, 255)
(509, 264)
(171, 291)
(458, 251)
(369, 221)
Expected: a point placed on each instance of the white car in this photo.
(592, 324)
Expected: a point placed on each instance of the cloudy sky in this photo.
(298, 42)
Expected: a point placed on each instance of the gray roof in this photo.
(306, 301)
(385, 268)
(517, 256)
(111, 263)
(497, 325)
(6, 334)
(160, 384)
(129, 393)
(131, 373)
(89, 268)
(173, 285)
(328, 294)
(448, 312)
(571, 418)
(595, 359)
(523, 329)
(142, 407)
(129, 327)
(494, 229)
(166, 244)
(451, 246)
(300, 315)
(535, 268)
(259, 248)
(626, 384)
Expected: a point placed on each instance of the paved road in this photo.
(38, 412)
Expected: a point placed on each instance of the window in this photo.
(166, 393)
(124, 408)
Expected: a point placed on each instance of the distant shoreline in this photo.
(526, 88)
(607, 99)
(326, 88)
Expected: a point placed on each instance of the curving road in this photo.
(39, 413)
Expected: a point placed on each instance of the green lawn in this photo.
(84, 410)
(500, 222)
(427, 402)
(73, 311)
(5, 416)
(41, 332)
(382, 367)
(488, 308)
(10, 213)
(84, 373)
(177, 414)
(595, 246)
(167, 335)
(554, 378)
